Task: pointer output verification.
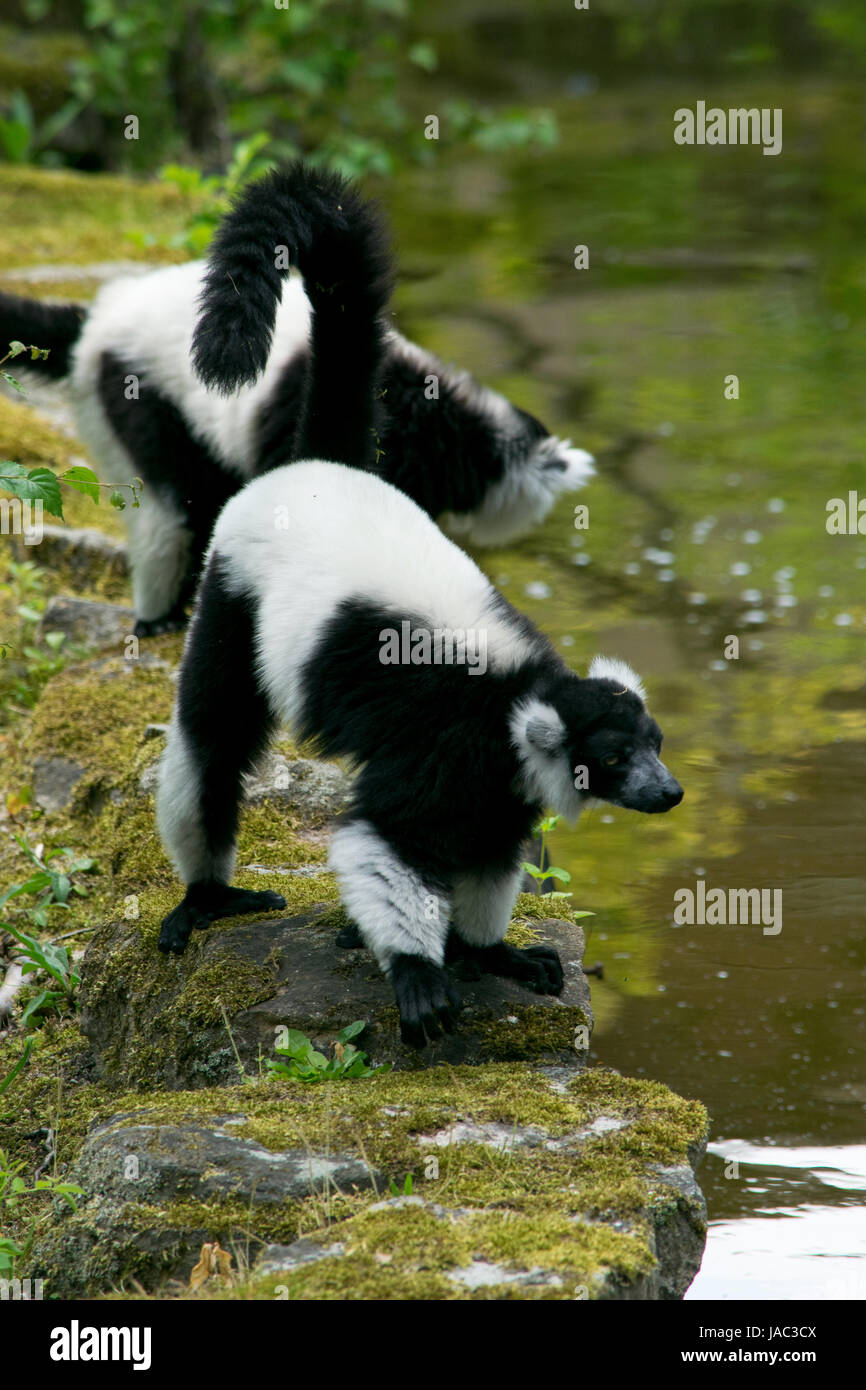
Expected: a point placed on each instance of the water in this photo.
(707, 522)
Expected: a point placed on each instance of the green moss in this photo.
(335, 918)
(528, 1207)
(97, 716)
(539, 1031)
(64, 218)
(270, 836)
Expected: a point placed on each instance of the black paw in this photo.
(426, 998)
(179, 925)
(236, 902)
(175, 621)
(205, 903)
(538, 967)
(350, 938)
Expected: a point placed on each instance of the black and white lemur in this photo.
(141, 410)
(309, 568)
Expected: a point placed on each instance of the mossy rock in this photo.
(591, 1195)
(191, 1021)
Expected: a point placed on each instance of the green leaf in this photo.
(578, 915)
(351, 1030)
(60, 886)
(296, 1044)
(44, 998)
(561, 875)
(424, 55)
(39, 485)
(82, 480)
(117, 500)
(18, 1067)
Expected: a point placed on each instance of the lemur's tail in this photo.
(317, 222)
(53, 326)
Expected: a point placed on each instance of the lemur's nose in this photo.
(673, 794)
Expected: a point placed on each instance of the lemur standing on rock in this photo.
(308, 570)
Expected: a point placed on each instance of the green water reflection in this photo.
(707, 520)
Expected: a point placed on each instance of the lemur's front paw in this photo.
(538, 967)
(426, 998)
(179, 925)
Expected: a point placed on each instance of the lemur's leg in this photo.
(220, 726)
(159, 543)
(404, 922)
(482, 907)
(184, 490)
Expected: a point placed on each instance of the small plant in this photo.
(43, 484)
(14, 1190)
(407, 1187)
(52, 883)
(54, 960)
(306, 1064)
(15, 350)
(40, 655)
(540, 873)
(18, 1067)
(22, 138)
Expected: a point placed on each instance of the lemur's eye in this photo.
(611, 761)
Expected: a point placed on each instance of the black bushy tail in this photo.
(53, 326)
(339, 244)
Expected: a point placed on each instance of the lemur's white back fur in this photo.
(149, 320)
(303, 538)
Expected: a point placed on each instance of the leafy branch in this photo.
(43, 484)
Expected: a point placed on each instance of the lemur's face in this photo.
(594, 739)
(621, 756)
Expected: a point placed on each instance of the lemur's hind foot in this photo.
(349, 938)
(426, 998)
(175, 620)
(537, 967)
(205, 903)
(155, 627)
